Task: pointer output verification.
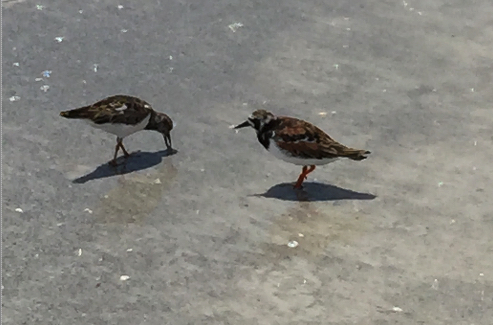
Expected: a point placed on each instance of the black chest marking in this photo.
(264, 138)
(265, 132)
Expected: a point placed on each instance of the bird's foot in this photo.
(134, 153)
(298, 185)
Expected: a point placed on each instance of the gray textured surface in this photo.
(409, 81)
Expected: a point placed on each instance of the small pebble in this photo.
(19, 210)
(124, 277)
(16, 64)
(88, 210)
(397, 309)
(80, 252)
(129, 250)
(293, 244)
(14, 98)
(59, 39)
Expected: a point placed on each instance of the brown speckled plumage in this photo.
(123, 115)
(298, 141)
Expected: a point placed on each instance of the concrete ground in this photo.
(200, 237)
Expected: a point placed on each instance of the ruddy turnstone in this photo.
(298, 142)
(122, 116)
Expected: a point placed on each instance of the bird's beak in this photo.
(242, 125)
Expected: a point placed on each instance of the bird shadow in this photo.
(313, 192)
(137, 161)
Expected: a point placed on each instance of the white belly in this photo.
(121, 130)
(278, 153)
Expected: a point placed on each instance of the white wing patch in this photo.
(121, 109)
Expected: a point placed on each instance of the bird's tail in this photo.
(355, 154)
(75, 113)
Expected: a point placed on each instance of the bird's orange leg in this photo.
(304, 175)
(125, 152)
(113, 162)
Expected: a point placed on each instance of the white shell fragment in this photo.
(59, 39)
(232, 126)
(293, 244)
(396, 309)
(19, 210)
(234, 26)
(434, 286)
(14, 98)
(124, 277)
(88, 210)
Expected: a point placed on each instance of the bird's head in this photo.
(257, 120)
(163, 124)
